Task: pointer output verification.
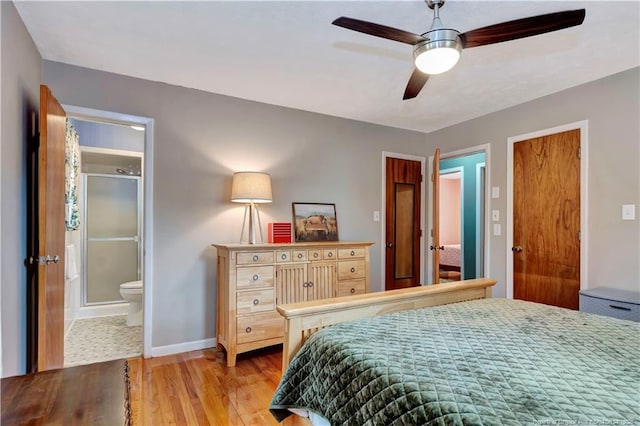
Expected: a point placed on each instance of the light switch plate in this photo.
(376, 216)
(628, 212)
(497, 229)
(495, 192)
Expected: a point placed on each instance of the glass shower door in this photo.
(112, 242)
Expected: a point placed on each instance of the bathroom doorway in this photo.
(464, 174)
(107, 247)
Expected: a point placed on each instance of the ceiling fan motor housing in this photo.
(441, 41)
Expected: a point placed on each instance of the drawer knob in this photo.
(283, 256)
(315, 255)
(255, 277)
(248, 329)
(353, 253)
(353, 269)
(353, 290)
(310, 284)
(255, 258)
(255, 302)
(330, 254)
(299, 255)
(305, 284)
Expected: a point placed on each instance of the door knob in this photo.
(389, 245)
(516, 249)
(436, 247)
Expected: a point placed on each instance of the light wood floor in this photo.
(197, 388)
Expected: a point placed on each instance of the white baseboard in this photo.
(181, 347)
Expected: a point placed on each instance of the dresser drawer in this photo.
(254, 276)
(315, 254)
(611, 302)
(351, 287)
(249, 302)
(283, 256)
(255, 327)
(254, 258)
(346, 253)
(329, 254)
(350, 269)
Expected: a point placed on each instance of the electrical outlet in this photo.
(495, 215)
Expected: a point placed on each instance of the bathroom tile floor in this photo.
(91, 340)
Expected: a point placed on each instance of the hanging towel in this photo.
(72, 178)
(70, 269)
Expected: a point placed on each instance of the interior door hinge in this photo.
(432, 177)
(421, 233)
(421, 178)
(579, 153)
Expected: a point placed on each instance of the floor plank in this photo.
(197, 388)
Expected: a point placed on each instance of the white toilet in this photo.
(132, 293)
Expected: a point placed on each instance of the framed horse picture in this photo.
(315, 222)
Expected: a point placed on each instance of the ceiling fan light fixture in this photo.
(439, 53)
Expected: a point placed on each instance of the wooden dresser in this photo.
(254, 278)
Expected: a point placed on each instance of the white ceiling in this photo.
(289, 54)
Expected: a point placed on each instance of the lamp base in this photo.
(254, 217)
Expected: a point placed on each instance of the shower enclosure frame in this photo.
(85, 238)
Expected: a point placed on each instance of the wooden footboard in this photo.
(304, 319)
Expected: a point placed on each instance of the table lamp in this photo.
(251, 188)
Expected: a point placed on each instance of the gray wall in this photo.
(106, 135)
(21, 77)
(612, 109)
(200, 139)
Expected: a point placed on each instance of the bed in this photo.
(450, 257)
(448, 354)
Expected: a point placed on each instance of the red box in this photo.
(279, 232)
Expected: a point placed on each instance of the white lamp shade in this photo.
(439, 53)
(251, 187)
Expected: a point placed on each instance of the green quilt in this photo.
(483, 362)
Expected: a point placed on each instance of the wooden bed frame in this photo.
(304, 319)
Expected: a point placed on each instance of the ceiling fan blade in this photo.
(416, 82)
(521, 28)
(378, 30)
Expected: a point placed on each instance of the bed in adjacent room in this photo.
(476, 361)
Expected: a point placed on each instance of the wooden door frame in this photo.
(486, 148)
(583, 126)
(147, 205)
(383, 219)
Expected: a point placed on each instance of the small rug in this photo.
(100, 339)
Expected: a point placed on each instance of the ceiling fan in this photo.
(438, 50)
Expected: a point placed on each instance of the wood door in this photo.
(51, 232)
(402, 208)
(435, 246)
(546, 219)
